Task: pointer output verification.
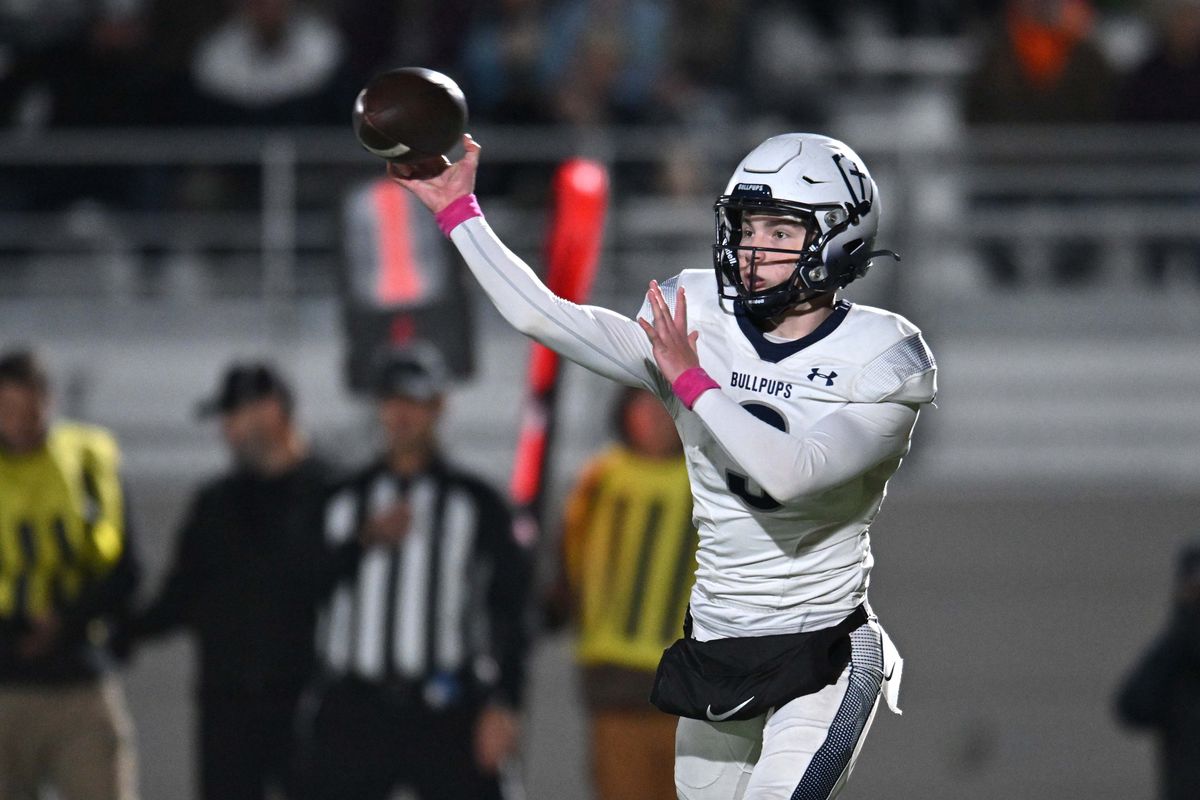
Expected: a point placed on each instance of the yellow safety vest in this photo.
(61, 519)
(630, 555)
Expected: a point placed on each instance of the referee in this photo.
(424, 648)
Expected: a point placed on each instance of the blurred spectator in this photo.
(1040, 68)
(507, 80)
(424, 652)
(250, 568)
(73, 64)
(1165, 89)
(1166, 86)
(629, 551)
(272, 63)
(787, 70)
(269, 63)
(901, 17)
(503, 63)
(924, 17)
(176, 27)
(68, 566)
(704, 80)
(397, 33)
(604, 59)
(1162, 694)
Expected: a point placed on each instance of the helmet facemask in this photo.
(809, 276)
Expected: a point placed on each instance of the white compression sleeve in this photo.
(596, 338)
(789, 466)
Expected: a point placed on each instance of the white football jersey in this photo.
(801, 562)
(789, 461)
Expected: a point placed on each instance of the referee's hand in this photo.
(496, 735)
(387, 527)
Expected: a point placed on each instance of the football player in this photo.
(795, 408)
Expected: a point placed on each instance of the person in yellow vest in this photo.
(66, 566)
(629, 553)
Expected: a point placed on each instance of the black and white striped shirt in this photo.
(446, 604)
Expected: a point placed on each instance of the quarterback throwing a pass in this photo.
(795, 408)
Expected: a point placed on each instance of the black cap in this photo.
(418, 373)
(244, 383)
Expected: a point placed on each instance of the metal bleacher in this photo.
(1088, 381)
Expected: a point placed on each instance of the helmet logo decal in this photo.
(751, 190)
(860, 203)
(862, 179)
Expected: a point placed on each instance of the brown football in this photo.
(410, 116)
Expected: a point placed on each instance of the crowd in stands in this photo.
(280, 62)
(123, 63)
(692, 64)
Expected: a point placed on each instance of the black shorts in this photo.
(740, 678)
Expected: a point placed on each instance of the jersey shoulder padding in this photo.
(902, 370)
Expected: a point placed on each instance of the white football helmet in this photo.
(822, 182)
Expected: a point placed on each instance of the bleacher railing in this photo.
(167, 214)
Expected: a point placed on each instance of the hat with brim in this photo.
(244, 383)
(415, 373)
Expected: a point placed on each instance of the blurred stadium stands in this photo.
(1094, 373)
(1025, 555)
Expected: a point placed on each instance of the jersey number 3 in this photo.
(741, 485)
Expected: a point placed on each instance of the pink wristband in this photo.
(692, 383)
(458, 212)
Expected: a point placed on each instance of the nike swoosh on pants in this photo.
(722, 717)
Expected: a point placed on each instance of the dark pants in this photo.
(246, 745)
(362, 742)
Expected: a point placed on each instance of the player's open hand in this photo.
(674, 348)
(439, 190)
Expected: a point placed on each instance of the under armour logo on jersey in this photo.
(816, 373)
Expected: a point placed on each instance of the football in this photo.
(411, 116)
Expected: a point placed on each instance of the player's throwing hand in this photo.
(674, 348)
(458, 180)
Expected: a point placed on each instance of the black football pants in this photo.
(362, 742)
(245, 745)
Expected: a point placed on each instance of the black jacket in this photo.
(249, 571)
(1163, 694)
